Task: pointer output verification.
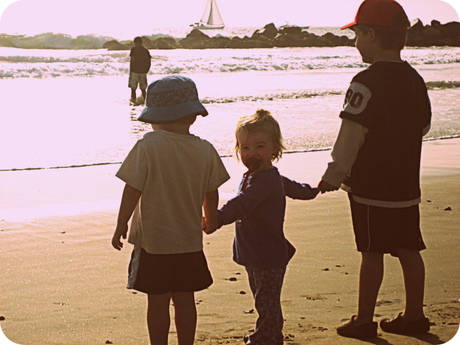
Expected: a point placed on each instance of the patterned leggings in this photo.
(266, 286)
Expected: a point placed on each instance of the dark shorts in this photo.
(385, 230)
(162, 273)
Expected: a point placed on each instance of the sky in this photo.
(115, 18)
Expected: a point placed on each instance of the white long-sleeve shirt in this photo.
(344, 153)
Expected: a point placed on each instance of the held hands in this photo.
(120, 232)
(325, 187)
(208, 226)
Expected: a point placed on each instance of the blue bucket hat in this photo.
(171, 98)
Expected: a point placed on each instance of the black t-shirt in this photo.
(390, 99)
(140, 60)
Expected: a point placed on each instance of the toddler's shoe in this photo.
(353, 329)
(400, 325)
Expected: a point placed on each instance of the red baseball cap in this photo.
(380, 12)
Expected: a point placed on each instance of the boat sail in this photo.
(211, 18)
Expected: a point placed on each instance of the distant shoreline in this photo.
(419, 35)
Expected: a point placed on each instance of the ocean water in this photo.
(64, 108)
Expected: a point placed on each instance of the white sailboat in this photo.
(211, 18)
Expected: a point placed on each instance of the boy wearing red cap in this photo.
(376, 158)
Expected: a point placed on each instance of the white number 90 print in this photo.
(356, 99)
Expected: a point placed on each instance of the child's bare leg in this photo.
(414, 282)
(144, 94)
(133, 93)
(185, 317)
(158, 318)
(370, 279)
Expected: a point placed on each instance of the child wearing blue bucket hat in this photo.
(170, 176)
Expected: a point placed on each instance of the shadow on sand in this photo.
(428, 338)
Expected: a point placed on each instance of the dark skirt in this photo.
(163, 273)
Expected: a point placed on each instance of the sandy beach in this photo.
(62, 282)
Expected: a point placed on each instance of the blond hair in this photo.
(261, 121)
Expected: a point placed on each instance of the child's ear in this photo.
(371, 34)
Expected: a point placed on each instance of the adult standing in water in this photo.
(139, 66)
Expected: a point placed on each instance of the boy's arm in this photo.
(296, 190)
(211, 200)
(129, 201)
(349, 141)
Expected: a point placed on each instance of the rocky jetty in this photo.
(270, 36)
(436, 34)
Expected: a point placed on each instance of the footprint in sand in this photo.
(383, 302)
(314, 297)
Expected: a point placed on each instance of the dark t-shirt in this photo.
(140, 60)
(390, 99)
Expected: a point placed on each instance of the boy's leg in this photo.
(370, 279)
(266, 287)
(414, 282)
(144, 94)
(158, 318)
(185, 317)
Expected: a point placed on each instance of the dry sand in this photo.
(62, 283)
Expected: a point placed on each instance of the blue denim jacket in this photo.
(258, 212)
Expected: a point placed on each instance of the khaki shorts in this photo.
(137, 79)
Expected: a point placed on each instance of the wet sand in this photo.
(62, 282)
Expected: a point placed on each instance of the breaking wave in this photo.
(271, 97)
(443, 84)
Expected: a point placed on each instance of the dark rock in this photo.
(146, 42)
(270, 31)
(448, 209)
(220, 42)
(164, 43)
(196, 40)
(247, 42)
(291, 30)
(2, 318)
(432, 33)
(287, 40)
(451, 29)
(417, 25)
(196, 33)
(436, 34)
(115, 45)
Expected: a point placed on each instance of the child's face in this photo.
(365, 43)
(256, 150)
